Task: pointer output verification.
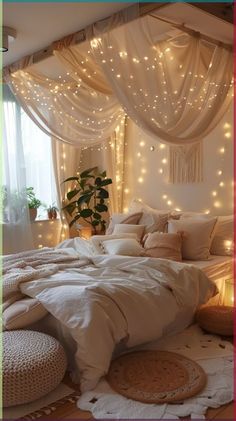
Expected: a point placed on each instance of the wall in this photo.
(147, 172)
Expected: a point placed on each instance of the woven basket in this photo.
(216, 319)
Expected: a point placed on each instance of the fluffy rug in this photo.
(214, 355)
(42, 407)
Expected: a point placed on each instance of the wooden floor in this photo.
(69, 411)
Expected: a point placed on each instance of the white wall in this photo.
(144, 180)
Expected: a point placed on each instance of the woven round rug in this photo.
(156, 376)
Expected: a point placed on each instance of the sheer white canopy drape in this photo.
(177, 90)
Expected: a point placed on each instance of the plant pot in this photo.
(32, 213)
(52, 214)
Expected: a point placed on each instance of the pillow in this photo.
(163, 245)
(197, 236)
(23, 313)
(96, 240)
(121, 218)
(153, 219)
(124, 247)
(129, 229)
(222, 244)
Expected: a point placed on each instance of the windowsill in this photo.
(45, 220)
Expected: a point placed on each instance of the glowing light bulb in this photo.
(126, 191)
(228, 135)
(219, 172)
(140, 179)
(207, 211)
(222, 150)
(138, 154)
(160, 171)
(162, 146)
(169, 202)
(164, 161)
(142, 143)
(152, 148)
(227, 126)
(143, 170)
(217, 204)
(214, 193)
(164, 196)
(221, 184)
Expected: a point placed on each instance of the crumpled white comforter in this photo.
(114, 298)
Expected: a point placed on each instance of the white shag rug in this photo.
(214, 355)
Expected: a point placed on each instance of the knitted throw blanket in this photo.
(32, 265)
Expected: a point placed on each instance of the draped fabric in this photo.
(68, 111)
(175, 90)
(15, 214)
(66, 160)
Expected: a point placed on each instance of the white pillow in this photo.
(197, 236)
(124, 247)
(129, 229)
(188, 214)
(222, 244)
(96, 240)
(153, 219)
(122, 218)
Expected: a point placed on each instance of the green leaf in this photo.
(72, 193)
(103, 194)
(106, 182)
(97, 216)
(95, 223)
(71, 179)
(98, 181)
(101, 208)
(103, 174)
(84, 199)
(86, 213)
(85, 173)
(70, 207)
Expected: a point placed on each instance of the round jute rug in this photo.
(156, 376)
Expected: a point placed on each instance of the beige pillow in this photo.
(129, 229)
(188, 214)
(124, 247)
(153, 219)
(23, 313)
(163, 245)
(222, 244)
(197, 236)
(121, 218)
(96, 240)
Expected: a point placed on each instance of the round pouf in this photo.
(216, 319)
(33, 365)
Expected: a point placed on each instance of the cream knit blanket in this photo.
(32, 265)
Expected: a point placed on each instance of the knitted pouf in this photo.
(33, 365)
(216, 319)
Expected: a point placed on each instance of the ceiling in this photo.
(39, 24)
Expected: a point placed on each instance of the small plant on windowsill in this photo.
(33, 202)
(88, 199)
(52, 212)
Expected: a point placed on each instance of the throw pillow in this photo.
(197, 236)
(124, 247)
(163, 245)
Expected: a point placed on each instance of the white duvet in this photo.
(114, 298)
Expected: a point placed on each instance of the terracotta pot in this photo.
(33, 213)
(52, 214)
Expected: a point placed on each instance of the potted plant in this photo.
(33, 202)
(52, 212)
(87, 199)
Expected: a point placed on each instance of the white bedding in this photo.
(110, 299)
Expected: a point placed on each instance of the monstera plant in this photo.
(88, 198)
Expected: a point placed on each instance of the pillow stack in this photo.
(170, 235)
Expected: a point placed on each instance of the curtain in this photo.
(175, 90)
(15, 214)
(66, 160)
(68, 111)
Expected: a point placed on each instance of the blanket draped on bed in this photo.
(106, 299)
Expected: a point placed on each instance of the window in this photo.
(30, 149)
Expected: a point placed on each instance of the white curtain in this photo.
(15, 215)
(69, 111)
(175, 90)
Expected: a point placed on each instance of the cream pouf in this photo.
(216, 319)
(33, 365)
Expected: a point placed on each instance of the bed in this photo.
(108, 302)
